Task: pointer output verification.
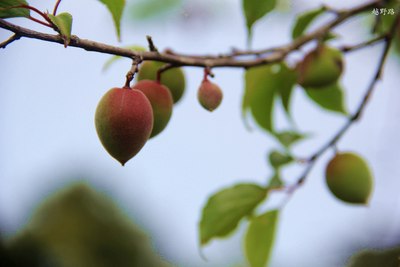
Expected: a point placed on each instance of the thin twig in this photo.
(350, 48)
(152, 47)
(56, 7)
(13, 38)
(131, 73)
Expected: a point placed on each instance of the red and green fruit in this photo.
(173, 79)
(124, 121)
(161, 101)
(209, 95)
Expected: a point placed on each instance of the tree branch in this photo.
(13, 38)
(265, 56)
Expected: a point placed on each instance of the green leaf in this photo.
(151, 9)
(226, 208)
(277, 159)
(304, 20)
(286, 80)
(262, 84)
(330, 98)
(255, 10)
(260, 238)
(8, 9)
(288, 138)
(275, 181)
(113, 59)
(116, 8)
(63, 22)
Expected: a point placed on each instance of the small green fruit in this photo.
(348, 177)
(209, 95)
(173, 79)
(161, 101)
(124, 120)
(321, 67)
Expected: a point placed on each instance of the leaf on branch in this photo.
(278, 159)
(225, 209)
(259, 239)
(116, 8)
(113, 59)
(262, 84)
(63, 22)
(275, 181)
(304, 20)
(330, 98)
(288, 138)
(255, 10)
(8, 9)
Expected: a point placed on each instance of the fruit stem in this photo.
(207, 72)
(131, 73)
(56, 7)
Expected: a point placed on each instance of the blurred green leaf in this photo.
(82, 227)
(255, 10)
(116, 8)
(330, 98)
(63, 22)
(226, 208)
(6, 10)
(262, 84)
(277, 159)
(304, 20)
(286, 79)
(276, 180)
(260, 238)
(147, 9)
(376, 258)
(288, 138)
(113, 59)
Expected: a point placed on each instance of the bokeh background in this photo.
(48, 95)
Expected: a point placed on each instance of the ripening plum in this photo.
(209, 95)
(173, 79)
(321, 67)
(124, 121)
(161, 101)
(349, 178)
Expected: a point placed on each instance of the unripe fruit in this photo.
(173, 79)
(161, 101)
(124, 120)
(321, 67)
(209, 95)
(348, 177)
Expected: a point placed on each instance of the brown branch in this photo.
(350, 48)
(229, 60)
(356, 115)
(13, 38)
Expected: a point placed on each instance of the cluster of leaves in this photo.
(62, 23)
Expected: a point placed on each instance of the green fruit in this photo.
(173, 79)
(161, 101)
(321, 67)
(209, 95)
(348, 177)
(124, 120)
